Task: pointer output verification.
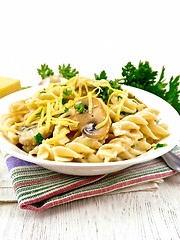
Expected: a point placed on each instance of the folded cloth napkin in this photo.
(37, 188)
(7, 193)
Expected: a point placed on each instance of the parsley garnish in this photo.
(125, 113)
(43, 91)
(80, 107)
(104, 93)
(160, 145)
(39, 138)
(145, 78)
(64, 101)
(25, 87)
(115, 84)
(45, 71)
(119, 97)
(66, 109)
(67, 72)
(67, 92)
(133, 100)
(101, 76)
(142, 77)
(39, 113)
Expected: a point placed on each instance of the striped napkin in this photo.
(37, 188)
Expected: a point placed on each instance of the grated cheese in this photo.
(53, 111)
(117, 118)
(32, 116)
(48, 115)
(62, 134)
(90, 102)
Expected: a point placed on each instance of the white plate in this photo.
(167, 113)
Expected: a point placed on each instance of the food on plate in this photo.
(143, 77)
(83, 120)
(8, 85)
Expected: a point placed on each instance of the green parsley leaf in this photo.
(172, 96)
(67, 72)
(80, 107)
(101, 76)
(45, 71)
(64, 101)
(125, 113)
(67, 92)
(115, 84)
(39, 138)
(25, 87)
(160, 145)
(144, 78)
(66, 109)
(43, 91)
(138, 77)
(104, 93)
(119, 97)
(39, 113)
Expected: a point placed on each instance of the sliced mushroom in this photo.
(27, 133)
(89, 120)
(26, 136)
(53, 79)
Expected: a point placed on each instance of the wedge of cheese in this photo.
(8, 85)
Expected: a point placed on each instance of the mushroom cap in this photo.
(27, 133)
(89, 120)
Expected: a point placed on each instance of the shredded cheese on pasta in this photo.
(79, 133)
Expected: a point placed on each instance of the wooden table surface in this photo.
(135, 215)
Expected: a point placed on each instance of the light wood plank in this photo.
(135, 215)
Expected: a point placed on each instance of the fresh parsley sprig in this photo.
(101, 76)
(64, 71)
(67, 72)
(138, 77)
(172, 96)
(45, 71)
(145, 78)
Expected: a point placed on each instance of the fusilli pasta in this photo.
(83, 120)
